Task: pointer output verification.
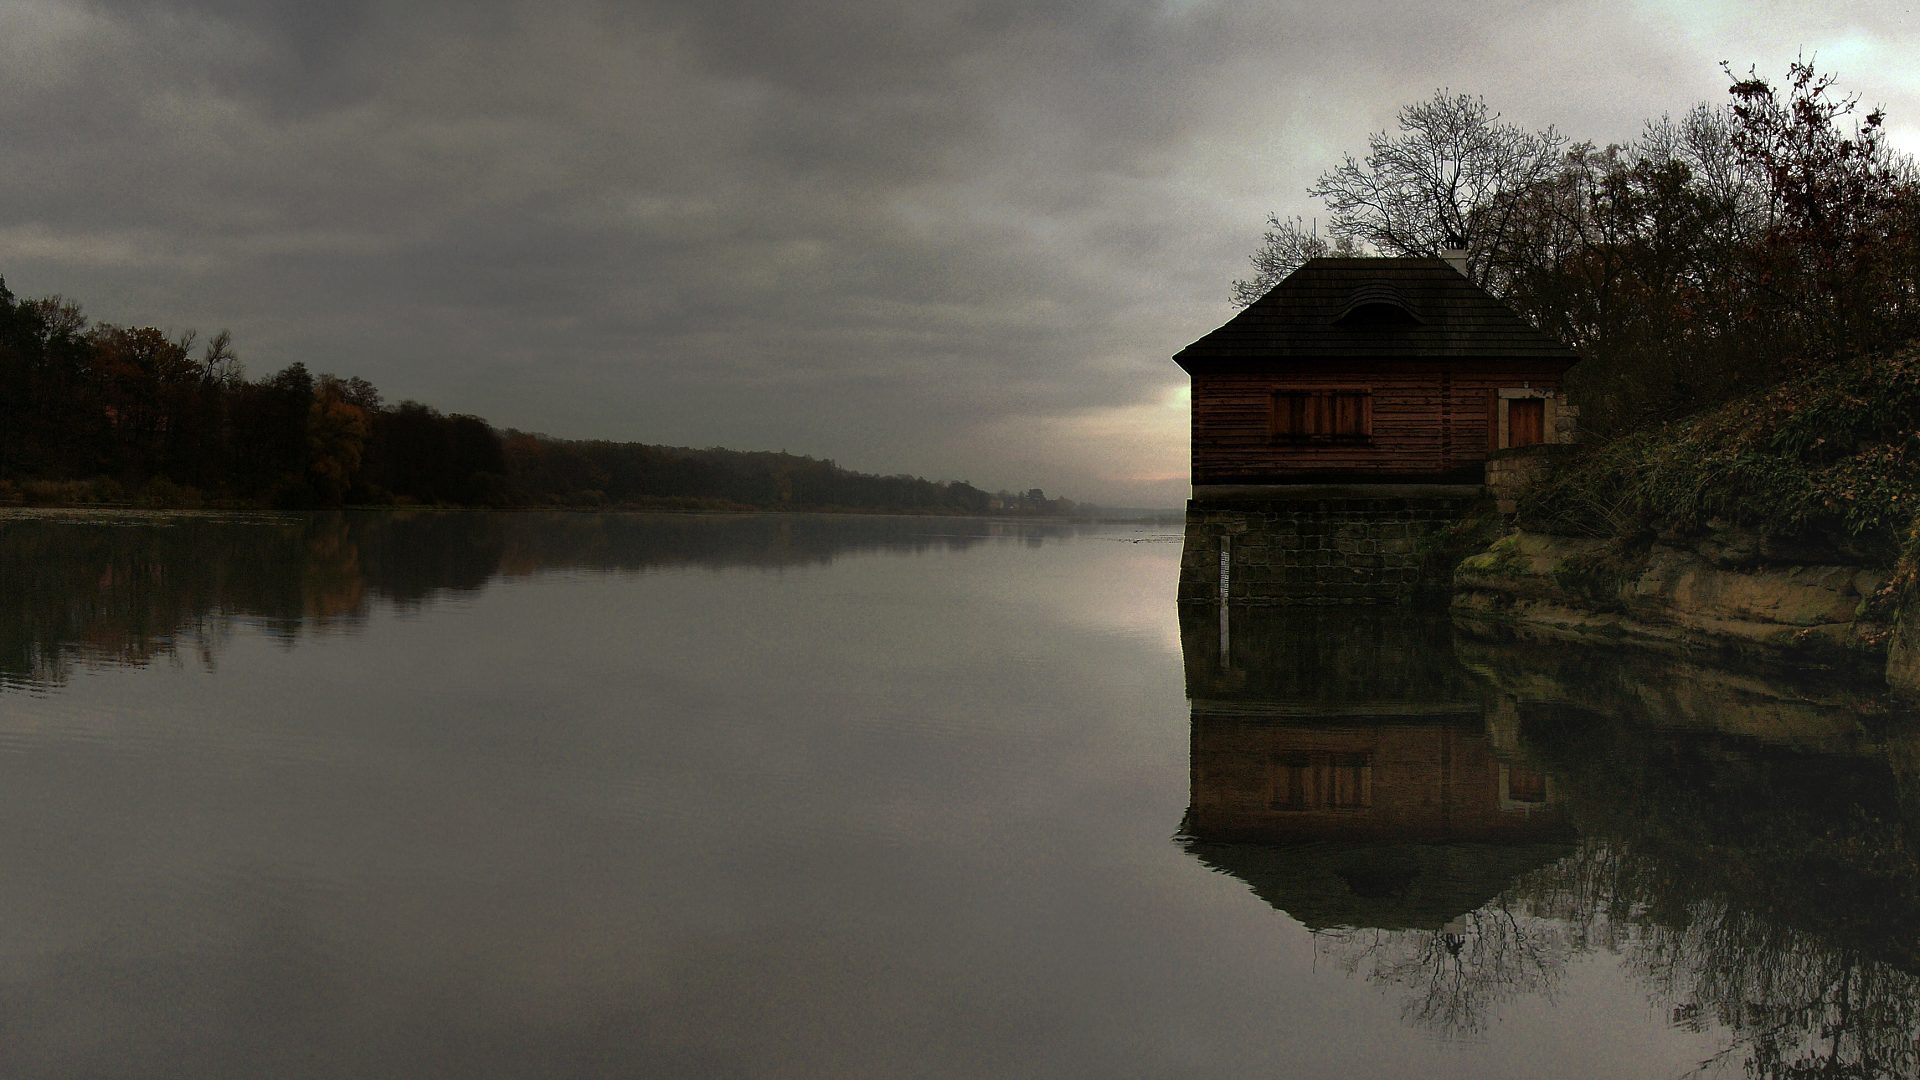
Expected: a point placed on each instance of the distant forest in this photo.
(91, 412)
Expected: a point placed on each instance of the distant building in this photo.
(1370, 371)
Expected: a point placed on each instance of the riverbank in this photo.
(1782, 523)
(1829, 612)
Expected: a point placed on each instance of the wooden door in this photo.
(1526, 421)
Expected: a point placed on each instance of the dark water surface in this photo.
(601, 795)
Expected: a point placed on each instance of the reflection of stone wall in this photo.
(1348, 550)
(1830, 712)
(1324, 661)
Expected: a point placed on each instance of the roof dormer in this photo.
(1376, 305)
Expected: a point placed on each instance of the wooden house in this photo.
(1370, 371)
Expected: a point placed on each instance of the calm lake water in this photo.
(406, 795)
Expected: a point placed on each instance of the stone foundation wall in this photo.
(1510, 472)
(1352, 550)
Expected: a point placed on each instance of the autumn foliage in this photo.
(1832, 455)
(102, 413)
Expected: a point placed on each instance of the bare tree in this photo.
(1443, 176)
(1285, 247)
(219, 363)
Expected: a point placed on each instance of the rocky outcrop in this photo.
(1712, 594)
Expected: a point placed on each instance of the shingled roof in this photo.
(1374, 308)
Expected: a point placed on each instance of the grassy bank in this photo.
(1827, 462)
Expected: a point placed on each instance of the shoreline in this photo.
(1825, 611)
(23, 511)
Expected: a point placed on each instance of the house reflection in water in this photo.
(1344, 766)
(1748, 848)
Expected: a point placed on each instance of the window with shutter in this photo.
(1322, 415)
(1350, 781)
(1290, 782)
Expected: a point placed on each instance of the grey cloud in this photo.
(864, 230)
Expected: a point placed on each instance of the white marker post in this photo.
(1226, 572)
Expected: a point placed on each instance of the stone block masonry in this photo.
(1316, 550)
(1511, 472)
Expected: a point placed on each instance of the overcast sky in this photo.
(958, 239)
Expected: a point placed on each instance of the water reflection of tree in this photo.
(133, 589)
(1749, 840)
(1796, 1006)
(1772, 896)
(1800, 997)
(1456, 977)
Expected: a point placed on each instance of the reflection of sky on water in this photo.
(124, 586)
(709, 812)
(572, 796)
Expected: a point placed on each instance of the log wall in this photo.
(1428, 420)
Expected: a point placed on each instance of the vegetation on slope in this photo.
(1831, 455)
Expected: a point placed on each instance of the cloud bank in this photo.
(957, 240)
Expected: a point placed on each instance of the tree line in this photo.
(95, 412)
(1718, 252)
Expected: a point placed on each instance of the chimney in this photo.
(1455, 253)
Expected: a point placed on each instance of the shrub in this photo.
(162, 492)
(1835, 451)
(70, 492)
